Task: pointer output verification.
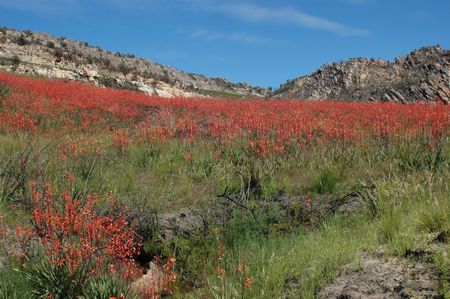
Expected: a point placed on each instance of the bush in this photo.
(21, 41)
(435, 217)
(75, 243)
(15, 62)
(58, 55)
(124, 69)
(106, 287)
(49, 280)
(89, 59)
(326, 182)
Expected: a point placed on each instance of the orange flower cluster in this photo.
(72, 233)
(17, 121)
(246, 280)
(3, 230)
(79, 146)
(268, 126)
(242, 275)
(121, 139)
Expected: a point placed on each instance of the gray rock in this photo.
(421, 75)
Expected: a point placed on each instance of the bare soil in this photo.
(374, 277)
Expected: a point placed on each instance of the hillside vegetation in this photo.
(218, 198)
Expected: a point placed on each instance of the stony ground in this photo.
(376, 277)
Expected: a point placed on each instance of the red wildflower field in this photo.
(67, 143)
(56, 107)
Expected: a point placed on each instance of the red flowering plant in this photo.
(276, 126)
(69, 243)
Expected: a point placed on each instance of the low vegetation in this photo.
(284, 193)
(220, 94)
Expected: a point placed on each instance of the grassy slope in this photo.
(411, 197)
(411, 208)
(409, 205)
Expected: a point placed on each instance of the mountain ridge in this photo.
(44, 54)
(422, 75)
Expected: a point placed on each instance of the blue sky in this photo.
(262, 42)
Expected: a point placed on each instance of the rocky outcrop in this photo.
(43, 54)
(422, 75)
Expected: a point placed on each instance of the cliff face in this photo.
(46, 55)
(422, 75)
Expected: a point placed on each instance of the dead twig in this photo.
(237, 202)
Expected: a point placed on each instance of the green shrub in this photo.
(435, 217)
(22, 41)
(50, 45)
(326, 182)
(390, 225)
(51, 281)
(105, 287)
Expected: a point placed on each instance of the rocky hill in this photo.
(43, 54)
(422, 75)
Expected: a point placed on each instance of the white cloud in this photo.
(238, 37)
(207, 35)
(258, 13)
(248, 38)
(244, 11)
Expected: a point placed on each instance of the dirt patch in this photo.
(150, 283)
(376, 278)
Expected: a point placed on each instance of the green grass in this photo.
(441, 260)
(311, 258)
(13, 284)
(38, 281)
(221, 94)
(404, 188)
(410, 208)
